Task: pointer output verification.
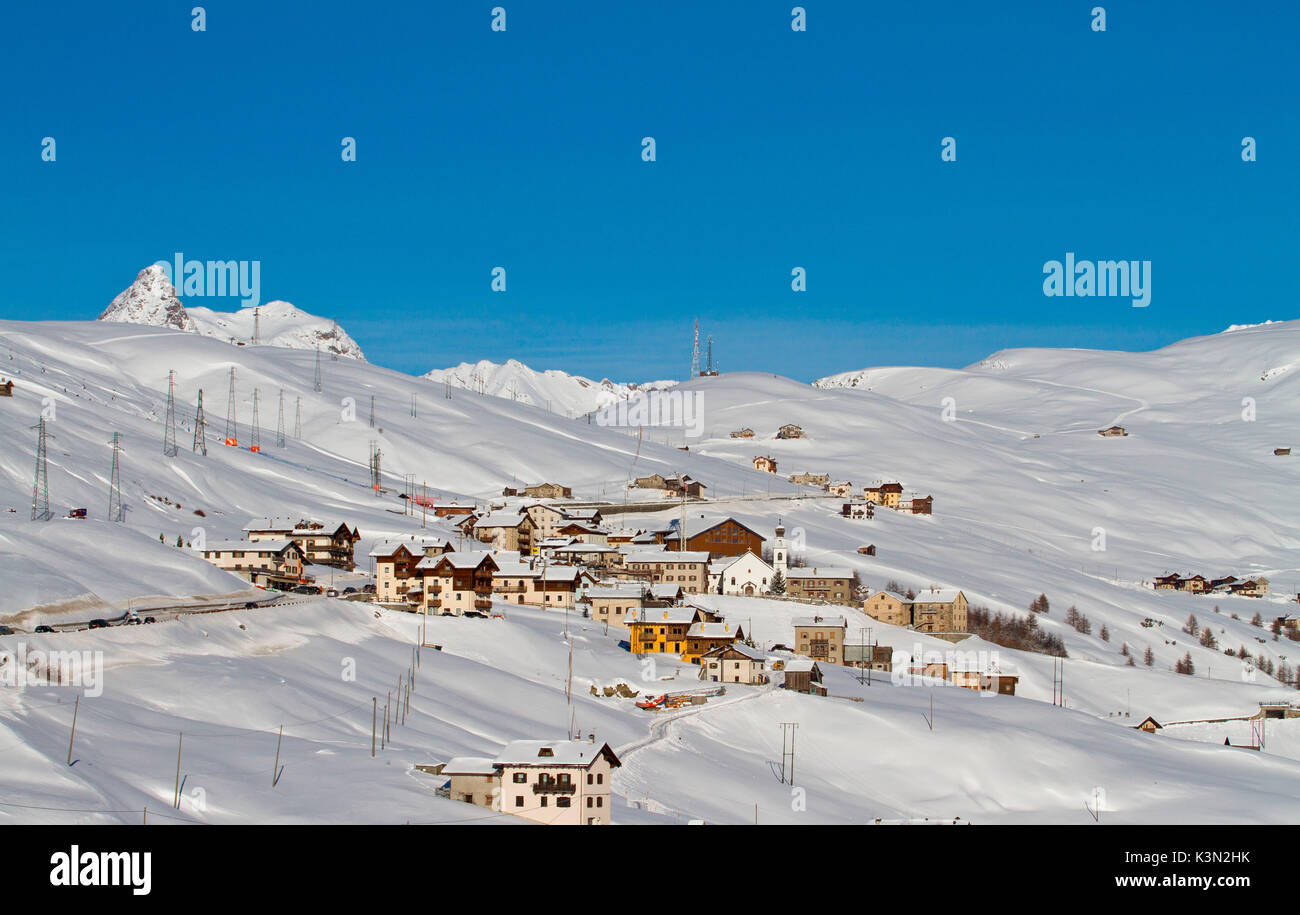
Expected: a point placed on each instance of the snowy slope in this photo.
(318, 667)
(553, 390)
(152, 300)
(1194, 487)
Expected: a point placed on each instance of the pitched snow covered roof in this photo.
(714, 631)
(627, 592)
(820, 572)
(416, 545)
(667, 556)
(671, 615)
(826, 622)
(554, 753)
(936, 596)
(470, 765)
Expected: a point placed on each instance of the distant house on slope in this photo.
(765, 463)
(802, 675)
(790, 430)
(743, 433)
(1112, 432)
(1149, 724)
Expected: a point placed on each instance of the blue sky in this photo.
(775, 149)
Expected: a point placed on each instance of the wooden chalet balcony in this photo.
(481, 604)
(555, 788)
(511, 589)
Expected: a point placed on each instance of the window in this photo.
(600, 778)
(589, 778)
(519, 800)
(521, 778)
(561, 802)
(544, 799)
(600, 802)
(589, 800)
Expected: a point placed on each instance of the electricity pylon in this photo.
(41, 486)
(200, 428)
(169, 435)
(256, 443)
(316, 383)
(232, 431)
(115, 511)
(279, 423)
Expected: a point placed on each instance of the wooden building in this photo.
(717, 537)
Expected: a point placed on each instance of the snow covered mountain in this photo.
(1028, 500)
(559, 392)
(152, 300)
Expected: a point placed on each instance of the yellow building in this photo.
(661, 630)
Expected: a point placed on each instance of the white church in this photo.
(748, 575)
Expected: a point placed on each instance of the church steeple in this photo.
(780, 552)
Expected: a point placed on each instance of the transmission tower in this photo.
(316, 382)
(279, 424)
(169, 435)
(41, 486)
(297, 421)
(413, 405)
(257, 326)
(256, 443)
(695, 351)
(334, 332)
(372, 411)
(374, 466)
(232, 432)
(200, 428)
(115, 511)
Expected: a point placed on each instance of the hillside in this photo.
(1021, 483)
(552, 390)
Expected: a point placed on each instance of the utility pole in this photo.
(316, 381)
(41, 486)
(169, 434)
(257, 326)
(297, 421)
(279, 423)
(200, 428)
(372, 411)
(232, 432)
(787, 727)
(413, 413)
(115, 510)
(256, 443)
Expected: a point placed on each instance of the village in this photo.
(536, 547)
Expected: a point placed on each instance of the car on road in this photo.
(149, 619)
(306, 589)
(369, 589)
(5, 630)
(332, 592)
(98, 624)
(250, 605)
(43, 628)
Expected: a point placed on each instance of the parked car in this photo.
(349, 590)
(5, 630)
(43, 628)
(150, 619)
(332, 592)
(250, 605)
(306, 589)
(369, 589)
(98, 624)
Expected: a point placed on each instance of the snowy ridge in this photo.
(570, 395)
(152, 300)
